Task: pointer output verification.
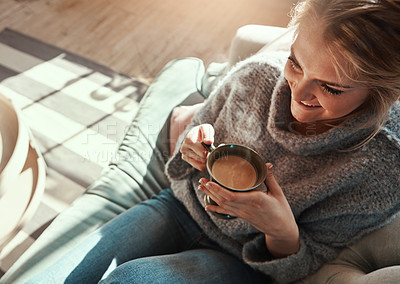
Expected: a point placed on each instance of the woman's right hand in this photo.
(192, 151)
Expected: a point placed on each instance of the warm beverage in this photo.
(234, 172)
(236, 167)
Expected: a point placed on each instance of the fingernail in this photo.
(270, 166)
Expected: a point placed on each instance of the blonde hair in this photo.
(366, 33)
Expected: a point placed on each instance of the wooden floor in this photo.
(138, 37)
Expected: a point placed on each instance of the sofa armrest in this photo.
(373, 259)
(247, 41)
(250, 39)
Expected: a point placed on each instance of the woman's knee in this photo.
(144, 270)
(193, 266)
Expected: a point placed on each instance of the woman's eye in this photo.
(331, 91)
(293, 63)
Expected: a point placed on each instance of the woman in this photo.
(328, 122)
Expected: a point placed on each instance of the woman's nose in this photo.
(301, 90)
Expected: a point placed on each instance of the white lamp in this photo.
(22, 173)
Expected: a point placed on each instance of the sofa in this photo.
(137, 172)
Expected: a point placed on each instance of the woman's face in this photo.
(318, 91)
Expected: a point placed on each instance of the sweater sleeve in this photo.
(308, 259)
(176, 168)
(313, 252)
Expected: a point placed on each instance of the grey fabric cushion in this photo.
(136, 173)
(373, 259)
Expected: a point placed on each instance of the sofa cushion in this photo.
(137, 171)
(373, 259)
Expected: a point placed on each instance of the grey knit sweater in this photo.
(336, 196)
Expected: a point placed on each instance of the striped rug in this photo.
(77, 110)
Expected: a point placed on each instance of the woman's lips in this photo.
(307, 105)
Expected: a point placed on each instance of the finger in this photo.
(220, 195)
(203, 181)
(201, 166)
(190, 153)
(270, 181)
(194, 151)
(192, 160)
(206, 134)
(210, 193)
(218, 209)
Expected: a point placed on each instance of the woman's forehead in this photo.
(316, 59)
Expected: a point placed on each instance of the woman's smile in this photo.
(308, 105)
(320, 91)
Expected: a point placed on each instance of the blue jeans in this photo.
(155, 241)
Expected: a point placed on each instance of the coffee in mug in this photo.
(234, 167)
(234, 172)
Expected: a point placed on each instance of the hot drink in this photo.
(236, 168)
(234, 172)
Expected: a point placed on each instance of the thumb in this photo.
(270, 181)
(206, 134)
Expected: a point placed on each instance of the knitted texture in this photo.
(336, 196)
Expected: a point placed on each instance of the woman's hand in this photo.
(192, 151)
(268, 212)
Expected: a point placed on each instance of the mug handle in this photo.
(209, 148)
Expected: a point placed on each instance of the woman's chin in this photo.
(302, 119)
(301, 115)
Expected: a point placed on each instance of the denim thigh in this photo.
(160, 225)
(155, 241)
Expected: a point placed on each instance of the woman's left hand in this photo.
(269, 212)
